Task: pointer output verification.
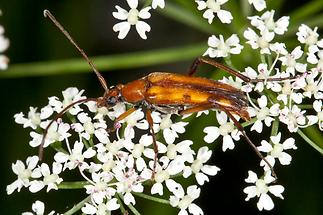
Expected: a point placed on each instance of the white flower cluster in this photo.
(301, 74)
(4, 44)
(112, 168)
(117, 168)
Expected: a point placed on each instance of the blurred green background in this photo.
(35, 39)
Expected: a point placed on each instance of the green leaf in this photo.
(105, 63)
(78, 206)
(313, 137)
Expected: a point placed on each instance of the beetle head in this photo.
(111, 97)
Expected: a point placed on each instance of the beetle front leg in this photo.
(121, 117)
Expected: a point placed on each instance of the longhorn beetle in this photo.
(170, 93)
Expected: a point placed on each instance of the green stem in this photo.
(229, 62)
(263, 58)
(152, 198)
(309, 141)
(274, 128)
(130, 206)
(77, 207)
(187, 17)
(305, 106)
(250, 122)
(306, 10)
(269, 60)
(245, 8)
(73, 185)
(106, 63)
(122, 208)
(133, 209)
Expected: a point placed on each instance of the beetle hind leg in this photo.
(240, 128)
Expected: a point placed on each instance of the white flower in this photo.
(214, 7)
(102, 208)
(185, 202)
(306, 35)
(99, 189)
(32, 121)
(220, 48)
(295, 118)
(49, 180)
(134, 120)
(258, 4)
(316, 58)
(262, 41)
(38, 208)
(290, 61)
(24, 174)
(171, 129)
(266, 21)
(317, 105)
(106, 151)
(261, 189)
(128, 181)
(4, 44)
(264, 114)
(3, 62)
(164, 172)
(276, 150)
(261, 73)
(86, 128)
(199, 169)
(278, 48)
(226, 129)
(117, 110)
(76, 156)
(313, 86)
(289, 91)
(158, 3)
(130, 18)
(142, 148)
(70, 95)
(183, 149)
(56, 132)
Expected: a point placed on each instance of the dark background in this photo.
(33, 39)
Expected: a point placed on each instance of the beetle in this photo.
(170, 93)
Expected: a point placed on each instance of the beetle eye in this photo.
(111, 101)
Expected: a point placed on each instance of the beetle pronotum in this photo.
(170, 93)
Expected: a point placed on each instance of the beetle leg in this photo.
(245, 78)
(193, 68)
(195, 109)
(240, 128)
(121, 117)
(151, 126)
(125, 114)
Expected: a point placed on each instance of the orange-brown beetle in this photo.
(171, 93)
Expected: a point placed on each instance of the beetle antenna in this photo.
(59, 115)
(61, 28)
